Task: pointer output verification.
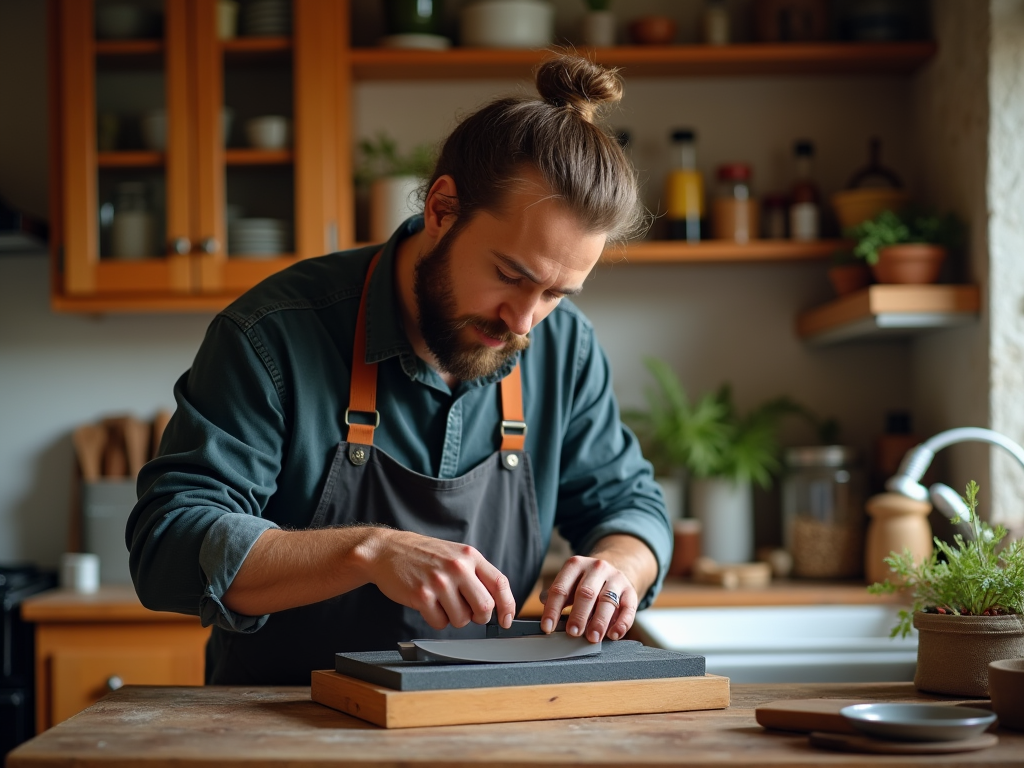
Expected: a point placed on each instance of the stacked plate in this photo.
(259, 237)
(267, 18)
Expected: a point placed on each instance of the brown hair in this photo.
(556, 134)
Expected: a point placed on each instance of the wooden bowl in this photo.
(1006, 688)
(653, 30)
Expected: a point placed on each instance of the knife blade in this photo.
(520, 627)
(557, 645)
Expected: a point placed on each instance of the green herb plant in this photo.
(709, 437)
(971, 578)
(888, 228)
(378, 157)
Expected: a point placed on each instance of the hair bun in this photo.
(578, 83)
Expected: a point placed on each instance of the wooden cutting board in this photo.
(389, 708)
(807, 715)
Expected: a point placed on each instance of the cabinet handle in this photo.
(114, 682)
(181, 245)
(210, 245)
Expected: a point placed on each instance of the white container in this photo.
(268, 132)
(393, 199)
(80, 572)
(154, 130)
(599, 29)
(726, 512)
(508, 24)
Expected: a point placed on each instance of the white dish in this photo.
(918, 722)
(268, 132)
(508, 24)
(417, 42)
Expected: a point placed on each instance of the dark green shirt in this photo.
(261, 412)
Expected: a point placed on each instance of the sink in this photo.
(787, 644)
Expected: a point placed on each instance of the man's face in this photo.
(481, 288)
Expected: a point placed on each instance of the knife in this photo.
(524, 641)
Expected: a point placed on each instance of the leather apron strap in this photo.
(362, 399)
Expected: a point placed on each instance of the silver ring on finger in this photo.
(610, 597)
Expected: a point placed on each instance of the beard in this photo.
(458, 353)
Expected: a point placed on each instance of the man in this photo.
(376, 445)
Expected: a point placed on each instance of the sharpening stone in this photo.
(618, 660)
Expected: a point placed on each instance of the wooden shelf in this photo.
(651, 61)
(246, 50)
(894, 310)
(258, 156)
(141, 303)
(129, 54)
(130, 159)
(709, 251)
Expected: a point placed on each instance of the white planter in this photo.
(726, 513)
(393, 199)
(599, 29)
(508, 24)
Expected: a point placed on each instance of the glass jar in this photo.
(735, 211)
(823, 512)
(133, 227)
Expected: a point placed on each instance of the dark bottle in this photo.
(684, 190)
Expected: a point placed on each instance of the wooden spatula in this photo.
(89, 440)
(136, 442)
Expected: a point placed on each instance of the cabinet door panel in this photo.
(124, 92)
(83, 677)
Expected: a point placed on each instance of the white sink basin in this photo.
(790, 644)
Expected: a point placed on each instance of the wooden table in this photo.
(189, 727)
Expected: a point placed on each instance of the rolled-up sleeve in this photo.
(201, 501)
(606, 486)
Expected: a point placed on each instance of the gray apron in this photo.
(492, 508)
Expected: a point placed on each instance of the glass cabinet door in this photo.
(124, 146)
(264, 154)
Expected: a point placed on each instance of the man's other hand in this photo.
(447, 583)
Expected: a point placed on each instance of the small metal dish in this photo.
(918, 722)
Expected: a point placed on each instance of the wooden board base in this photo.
(411, 709)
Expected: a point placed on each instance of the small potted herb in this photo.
(723, 452)
(392, 180)
(968, 605)
(906, 248)
(847, 273)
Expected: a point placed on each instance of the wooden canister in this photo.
(897, 523)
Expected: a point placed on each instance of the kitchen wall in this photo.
(712, 322)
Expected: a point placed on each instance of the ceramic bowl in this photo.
(268, 132)
(1006, 689)
(508, 24)
(653, 30)
(918, 722)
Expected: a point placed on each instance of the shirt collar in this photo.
(385, 336)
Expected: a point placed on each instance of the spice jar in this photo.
(735, 211)
(133, 227)
(823, 512)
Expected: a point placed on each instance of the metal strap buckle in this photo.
(517, 427)
(376, 415)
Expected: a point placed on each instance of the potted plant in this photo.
(968, 605)
(848, 273)
(906, 248)
(599, 24)
(723, 453)
(392, 180)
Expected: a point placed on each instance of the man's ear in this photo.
(441, 207)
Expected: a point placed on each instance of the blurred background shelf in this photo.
(893, 310)
(672, 251)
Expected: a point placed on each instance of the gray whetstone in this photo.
(619, 660)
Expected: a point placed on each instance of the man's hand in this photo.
(447, 583)
(620, 564)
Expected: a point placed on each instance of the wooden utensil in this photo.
(115, 457)
(136, 441)
(89, 440)
(159, 425)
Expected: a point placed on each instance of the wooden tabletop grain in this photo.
(158, 727)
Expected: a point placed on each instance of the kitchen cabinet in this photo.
(310, 75)
(89, 645)
(191, 179)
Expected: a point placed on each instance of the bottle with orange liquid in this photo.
(684, 190)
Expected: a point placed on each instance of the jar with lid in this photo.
(735, 211)
(823, 511)
(133, 226)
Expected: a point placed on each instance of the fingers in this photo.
(603, 600)
(500, 593)
(560, 593)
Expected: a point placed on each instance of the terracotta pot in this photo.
(653, 30)
(847, 278)
(909, 264)
(953, 652)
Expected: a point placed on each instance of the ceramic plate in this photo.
(918, 722)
